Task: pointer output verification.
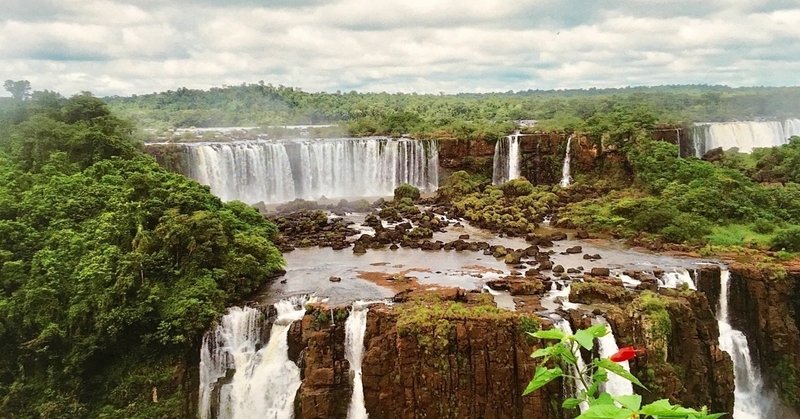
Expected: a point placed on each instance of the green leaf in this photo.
(603, 398)
(585, 339)
(542, 377)
(553, 334)
(617, 369)
(548, 351)
(605, 411)
(598, 330)
(571, 403)
(633, 401)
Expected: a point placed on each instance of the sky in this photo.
(115, 47)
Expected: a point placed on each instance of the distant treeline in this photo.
(467, 115)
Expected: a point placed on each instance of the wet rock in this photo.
(499, 251)
(574, 250)
(335, 279)
(558, 236)
(513, 258)
(532, 272)
(531, 251)
(573, 271)
(581, 234)
(545, 265)
(464, 237)
(394, 247)
(558, 269)
(597, 271)
(359, 249)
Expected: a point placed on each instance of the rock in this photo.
(513, 258)
(464, 237)
(394, 247)
(573, 271)
(581, 234)
(715, 154)
(545, 265)
(532, 272)
(597, 271)
(359, 248)
(558, 236)
(574, 250)
(335, 279)
(499, 251)
(558, 269)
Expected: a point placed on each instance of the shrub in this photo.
(788, 240)
(406, 191)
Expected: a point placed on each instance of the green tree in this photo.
(19, 89)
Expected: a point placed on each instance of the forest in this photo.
(111, 268)
(468, 115)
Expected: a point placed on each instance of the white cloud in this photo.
(119, 47)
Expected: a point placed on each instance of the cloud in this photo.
(122, 47)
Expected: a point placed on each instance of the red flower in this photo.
(625, 354)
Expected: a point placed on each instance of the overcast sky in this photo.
(140, 46)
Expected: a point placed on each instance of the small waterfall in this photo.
(263, 381)
(284, 170)
(677, 278)
(355, 329)
(506, 159)
(607, 346)
(565, 327)
(750, 399)
(566, 179)
(745, 135)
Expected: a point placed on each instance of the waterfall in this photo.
(264, 380)
(750, 399)
(607, 346)
(565, 177)
(565, 327)
(677, 278)
(745, 135)
(355, 328)
(283, 170)
(506, 159)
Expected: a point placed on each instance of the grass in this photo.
(738, 235)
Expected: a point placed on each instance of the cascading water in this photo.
(750, 400)
(677, 278)
(607, 346)
(355, 329)
(745, 135)
(565, 327)
(506, 159)
(264, 380)
(280, 171)
(566, 179)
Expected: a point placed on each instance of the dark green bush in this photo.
(406, 191)
(788, 240)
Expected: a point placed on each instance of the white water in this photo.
(677, 278)
(745, 135)
(607, 346)
(566, 179)
(565, 327)
(265, 380)
(281, 171)
(355, 328)
(750, 399)
(506, 159)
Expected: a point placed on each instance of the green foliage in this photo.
(788, 240)
(406, 191)
(111, 268)
(738, 235)
(600, 405)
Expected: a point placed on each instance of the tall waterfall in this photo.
(355, 329)
(263, 381)
(565, 327)
(280, 171)
(566, 179)
(506, 159)
(745, 135)
(750, 399)
(607, 346)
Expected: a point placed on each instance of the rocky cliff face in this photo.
(683, 361)
(417, 366)
(765, 305)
